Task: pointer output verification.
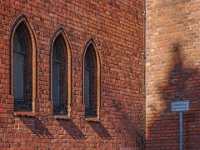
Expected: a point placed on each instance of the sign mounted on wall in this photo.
(182, 105)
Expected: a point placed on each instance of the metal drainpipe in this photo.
(143, 129)
(144, 53)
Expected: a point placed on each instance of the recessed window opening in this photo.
(22, 70)
(59, 78)
(90, 83)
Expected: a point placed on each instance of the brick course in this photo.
(116, 28)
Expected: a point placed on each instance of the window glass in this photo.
(17, 44)
(57, 62)
(56, 83)
(87, 80)
(22, 69)
(87, 88)
(18, 68)
(60, 77)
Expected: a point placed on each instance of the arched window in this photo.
(91, 82)
(22, 69)
(59, 77)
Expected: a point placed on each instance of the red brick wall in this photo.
(117, 30)
(172, 72)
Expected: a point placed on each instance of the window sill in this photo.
(92, 119)
(24, 113)
(61, 117)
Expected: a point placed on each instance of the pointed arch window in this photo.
(22, 69)
(59, 77)
(91, 82)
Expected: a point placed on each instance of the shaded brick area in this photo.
(116, 28)
(172, 72)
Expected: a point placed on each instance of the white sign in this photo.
(183, 105)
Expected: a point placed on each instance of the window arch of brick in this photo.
(23, 65)
(91, 80)
(60, 80)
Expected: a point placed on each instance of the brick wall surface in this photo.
(172, 72)
(116, 27)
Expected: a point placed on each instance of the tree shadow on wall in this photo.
(36, 126)
(183, 83)
(100, 130)
(72, 129)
